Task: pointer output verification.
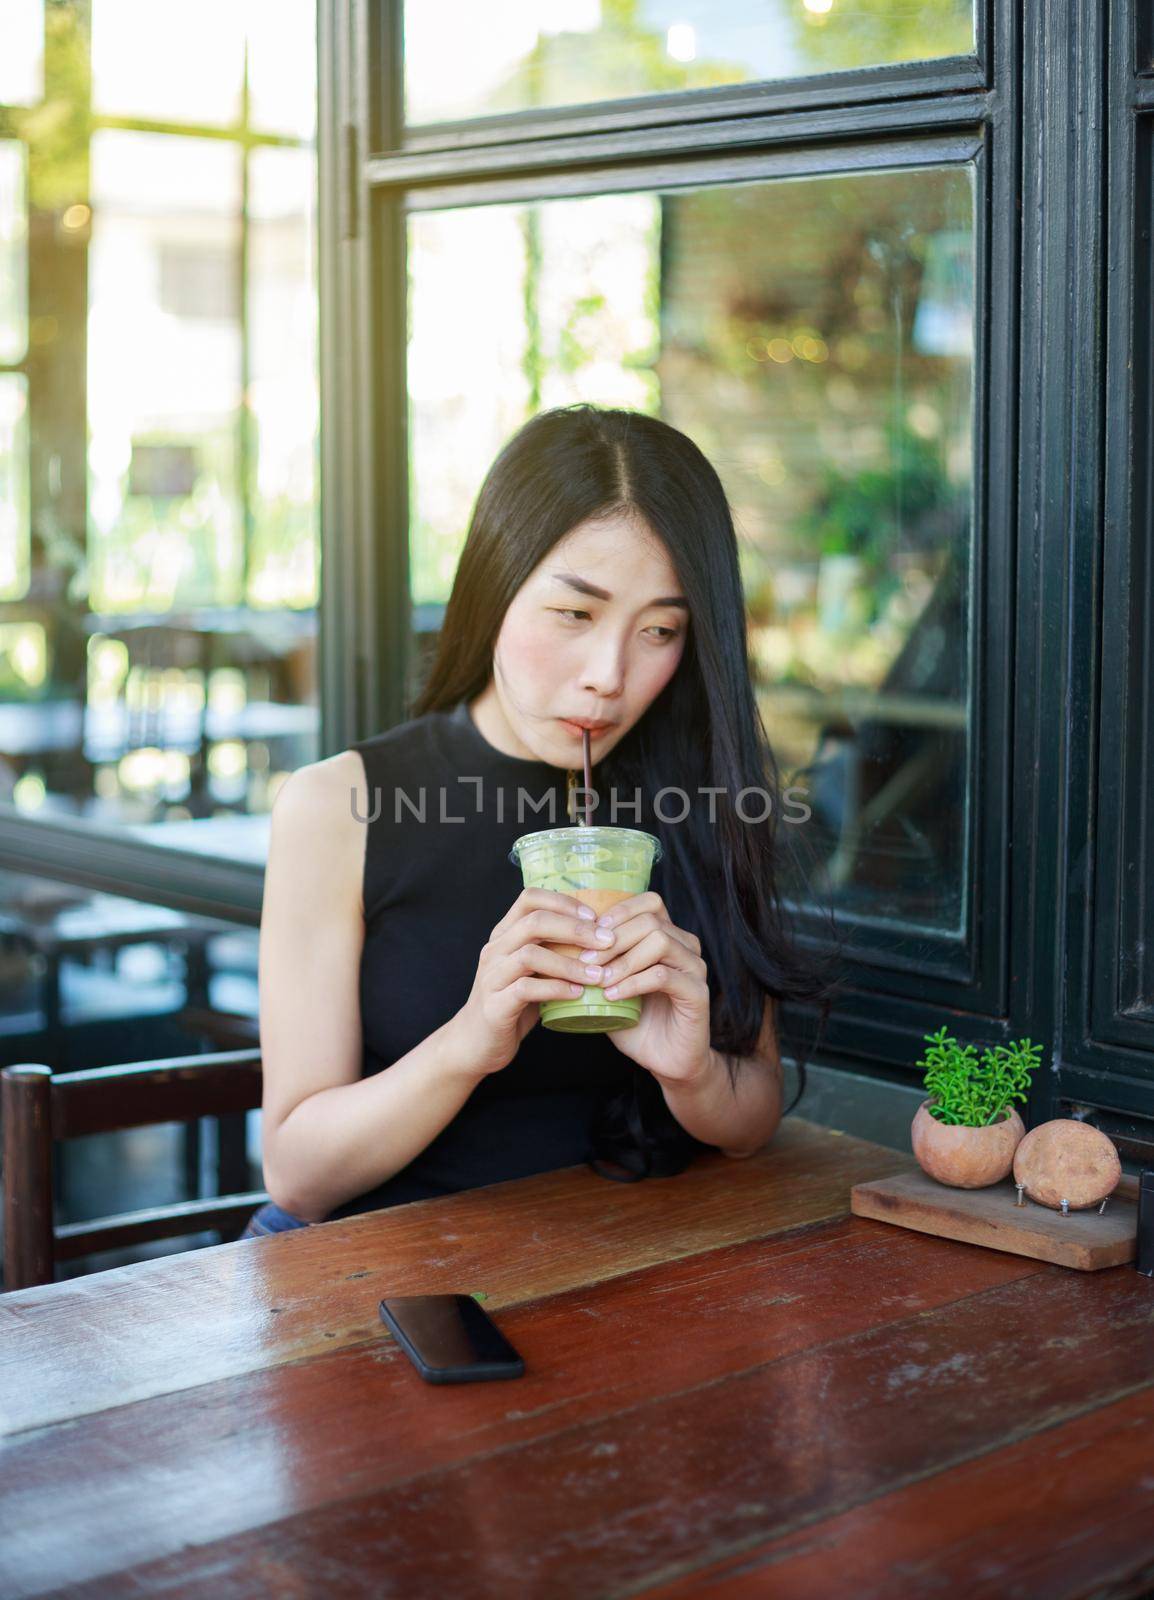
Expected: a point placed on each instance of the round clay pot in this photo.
(1065, 1159)
(965, 1158)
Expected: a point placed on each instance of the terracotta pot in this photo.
(965, 1158)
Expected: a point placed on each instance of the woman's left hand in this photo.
(653, 957)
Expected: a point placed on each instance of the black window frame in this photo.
(964, 108)
(1106, 1071)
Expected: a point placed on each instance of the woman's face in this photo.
(564, 651)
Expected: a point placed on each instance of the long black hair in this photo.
(704, 730)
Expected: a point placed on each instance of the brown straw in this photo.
(588, 771)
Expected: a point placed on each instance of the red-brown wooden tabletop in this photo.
(733, 1387)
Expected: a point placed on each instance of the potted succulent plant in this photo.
(966, 1131)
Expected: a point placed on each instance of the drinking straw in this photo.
(588, 770)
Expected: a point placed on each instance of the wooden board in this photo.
(1087, 1240)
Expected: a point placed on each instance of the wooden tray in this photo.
(1087, 1240)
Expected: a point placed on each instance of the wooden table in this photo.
(733, 1387)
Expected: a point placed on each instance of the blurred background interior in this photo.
(166, 618)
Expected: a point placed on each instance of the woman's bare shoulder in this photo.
(321, 787)
(318, 815)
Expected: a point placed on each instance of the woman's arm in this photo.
(328, 1134)
(741, 1120)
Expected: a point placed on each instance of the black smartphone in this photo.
(449, 1338)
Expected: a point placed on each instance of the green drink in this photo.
(599, 866)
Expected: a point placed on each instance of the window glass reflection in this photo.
(513, 55)
(22, 54)
(164, 371)
(167, 60)
(14, 518)
(13, 269)
(282, 66)
(158, 477)
(281, 563)
(815, 337)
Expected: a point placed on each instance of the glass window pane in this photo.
(1125, 898)
(22, 55)
(283, 401)
(167, 60)
(282, 66)
(13, 258)
(164, 371)
(142, 682)
(515, 54)
(19, 657)
(1136, 976)
(814, 336)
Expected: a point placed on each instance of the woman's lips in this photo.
(577, 730)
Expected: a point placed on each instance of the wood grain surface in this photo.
(68, 1349)
(816, 1396)
(1086, 1240)
(1062, 1514)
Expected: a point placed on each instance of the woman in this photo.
(402, 968)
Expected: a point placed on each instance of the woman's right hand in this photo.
(517, 970)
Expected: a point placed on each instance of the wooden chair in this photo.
(40, 1106)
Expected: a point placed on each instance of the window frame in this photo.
(1107, 1070)
(851, 85)
(965, 108)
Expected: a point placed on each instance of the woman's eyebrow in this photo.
(583, 586)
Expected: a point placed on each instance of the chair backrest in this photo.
(39, 1106)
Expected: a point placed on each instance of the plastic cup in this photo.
(598, 866)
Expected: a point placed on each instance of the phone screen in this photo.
(450, 1338)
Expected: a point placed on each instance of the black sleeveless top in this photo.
(444, 808)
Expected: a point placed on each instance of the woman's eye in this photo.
(567, 612)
